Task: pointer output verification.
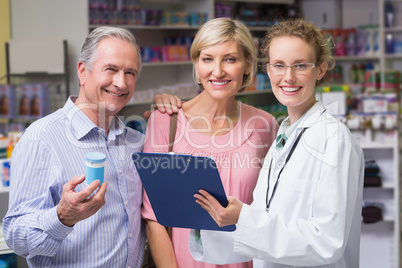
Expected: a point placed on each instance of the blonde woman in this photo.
(213, 124)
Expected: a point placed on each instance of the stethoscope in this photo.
(268, 201)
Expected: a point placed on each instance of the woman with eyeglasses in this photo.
(307, 203)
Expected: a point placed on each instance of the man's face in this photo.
(111, 82)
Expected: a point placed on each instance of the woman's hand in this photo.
(165, 103)
(221, 215)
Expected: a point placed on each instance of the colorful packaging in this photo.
(3, 146)
(376, 40)
(368, 41)
(5, 175)
(391, 81)
(351, 42)
(360, 48)
(340, 47)
(8, 102)
(370, 81)
(39, 101)
(24, 100)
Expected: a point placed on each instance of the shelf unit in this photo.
(46, 49)
(37, 61)
(170, 73)
(380, 241)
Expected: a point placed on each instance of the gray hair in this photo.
(89, 48)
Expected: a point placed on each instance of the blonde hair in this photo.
(221, 30)
(304, 30)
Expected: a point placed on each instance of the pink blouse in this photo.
(239, 155)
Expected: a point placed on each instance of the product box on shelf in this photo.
(34, 101)
(5, 173)
(40, 101)
(152, 16)
(175, 53)
(7, 101)
(372, 79)
(380, 127)
(392, 81)
(24, 100)
(361, 41)
(3, 146)
(374, 104)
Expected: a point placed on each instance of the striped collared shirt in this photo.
(51, 152)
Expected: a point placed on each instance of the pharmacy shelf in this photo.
(263, 1)
(397, 56)
(357, 58)
(6, 251)
(393, 29)
(4, 189)
(149, 27)
(166, 63)
(378, 145)
(245, 93)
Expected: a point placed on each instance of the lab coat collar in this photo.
(313, 115)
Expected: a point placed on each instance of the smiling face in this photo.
(296, 91)
(221, 69)
(110, 83)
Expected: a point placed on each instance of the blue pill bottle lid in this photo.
(95, 157)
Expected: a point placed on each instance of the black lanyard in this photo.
(279, 175)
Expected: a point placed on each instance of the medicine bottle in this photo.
(95, 167)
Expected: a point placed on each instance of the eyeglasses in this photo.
(298, 68)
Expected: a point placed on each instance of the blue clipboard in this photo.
(171, 180)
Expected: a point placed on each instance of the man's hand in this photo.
(75, 207)
(223, 216)
(165, 103)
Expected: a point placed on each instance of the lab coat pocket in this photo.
(296, 197)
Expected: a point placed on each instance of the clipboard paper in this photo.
(171, 180)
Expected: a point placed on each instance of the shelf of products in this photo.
(37, 81)
(380, 147)
(381, 238)
(166, 28)
(368, 57)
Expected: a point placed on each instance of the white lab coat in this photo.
(315, 216)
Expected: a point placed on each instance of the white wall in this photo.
(67, 19)
(324, 13)
(341, 13)
(356, 13)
